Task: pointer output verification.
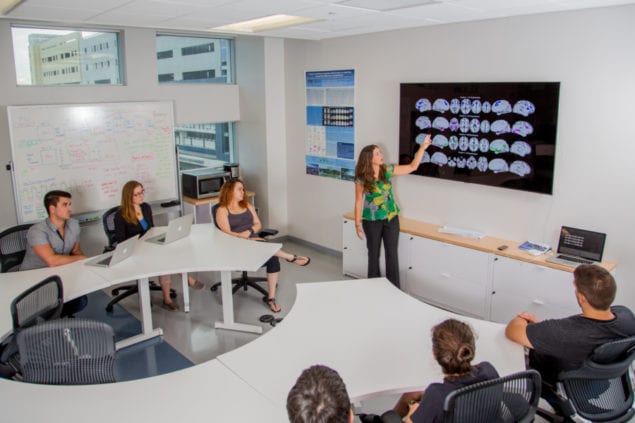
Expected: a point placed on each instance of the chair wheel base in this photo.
(213, 288)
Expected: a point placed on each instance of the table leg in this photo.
(228, 308)
(147, 331)
(186, 293)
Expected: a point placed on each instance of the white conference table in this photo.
(205, 249)
(375, 336)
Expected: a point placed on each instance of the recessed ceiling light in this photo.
(266, 23)
(8, 5)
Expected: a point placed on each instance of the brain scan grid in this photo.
(477, 134)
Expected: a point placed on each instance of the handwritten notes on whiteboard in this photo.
(91, 150)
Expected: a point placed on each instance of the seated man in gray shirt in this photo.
(55, 241)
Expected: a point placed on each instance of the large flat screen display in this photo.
(501, 134)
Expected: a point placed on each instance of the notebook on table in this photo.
(122, 251)
(578, 246)
(177, 228)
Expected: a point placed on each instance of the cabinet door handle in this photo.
(538, 302)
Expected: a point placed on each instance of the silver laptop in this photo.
(578, 246)
(177, 228)
(122, 251)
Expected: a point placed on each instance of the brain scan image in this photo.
(499, 146)
(500, 127)
(420, 138)
(471, 163)
(483, 145)
(485, 126)
(501, 107)
(464, 124)
(463, 143)
(461, 162)
(441, 105)
(440, 141)
(498, 166)
(423, 105)
(486, 107)
(423, 122)
(425, 158)
(451, 162)
(482, 164)
(520, 168)
(440, 123)
(476, 107)
(475, 125)
(439, 158)
(466, 106)
(524, 107)
(454, 124)
(453, 142)
(522, 128)
(455, 105)
(473, 144)
(520, 148)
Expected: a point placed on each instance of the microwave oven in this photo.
(202, 183)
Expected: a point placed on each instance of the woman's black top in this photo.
(125, 230)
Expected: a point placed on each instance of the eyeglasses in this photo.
(137, 194)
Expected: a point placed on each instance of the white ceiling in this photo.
(338, 18)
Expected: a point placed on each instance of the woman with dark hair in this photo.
(453, 347)
(134, 217)
(376, 212)
(236, 216)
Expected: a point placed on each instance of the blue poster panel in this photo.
(330, 124)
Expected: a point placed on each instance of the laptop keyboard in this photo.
(574, 259)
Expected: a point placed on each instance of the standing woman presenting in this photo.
(376, 212)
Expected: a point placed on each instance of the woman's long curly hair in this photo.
(364, 168)
(227, 194)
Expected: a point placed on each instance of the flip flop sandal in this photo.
(266, 318)
(271, 302)
(295, 258)
(276, 321)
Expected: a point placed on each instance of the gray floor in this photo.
(193, 333)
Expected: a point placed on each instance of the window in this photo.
(64, 56)
(205, 144)
(166, 77)
(194, 59)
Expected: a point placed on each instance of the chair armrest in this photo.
(267, 232)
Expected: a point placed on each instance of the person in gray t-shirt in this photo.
(55, 241)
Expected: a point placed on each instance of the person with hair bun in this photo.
(453, 347)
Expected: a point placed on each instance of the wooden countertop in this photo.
(487, 244)
(200, 201)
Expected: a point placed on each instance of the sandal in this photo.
(273, 306)
(295, 258)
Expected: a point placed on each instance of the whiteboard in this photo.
(91, 151)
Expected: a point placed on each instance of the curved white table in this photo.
(205, 249)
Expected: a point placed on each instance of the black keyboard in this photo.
(574, 259)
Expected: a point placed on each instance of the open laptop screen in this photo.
(581, 243)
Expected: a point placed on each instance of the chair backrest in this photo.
(67, 352)
(601, 389)
(41, 302)
(512, 398)
(13, 247)
(108, 220)
(213, 211)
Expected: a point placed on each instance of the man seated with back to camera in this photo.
(563, 344)
(319, 396)
(55, 241)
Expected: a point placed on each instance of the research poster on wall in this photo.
(330, 124)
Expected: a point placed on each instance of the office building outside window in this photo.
(187, 59)
(205, 145)
(45, 56)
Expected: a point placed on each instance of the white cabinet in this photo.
(519, 286)
(452, 277)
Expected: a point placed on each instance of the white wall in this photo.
(588, 51)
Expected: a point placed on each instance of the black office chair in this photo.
(600, 390)
(245, 281)
(124, 291)
(512, 398)
(41, 302)
(67, 352)
(13, 247)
